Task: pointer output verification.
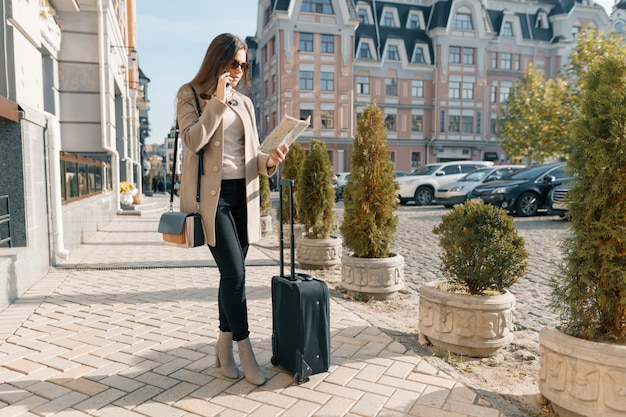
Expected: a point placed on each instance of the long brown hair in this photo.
(219, 56)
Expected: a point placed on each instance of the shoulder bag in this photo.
(183, 229)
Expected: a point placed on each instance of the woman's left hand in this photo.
(277, 156)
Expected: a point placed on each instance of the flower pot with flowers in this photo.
(471, 313)
(126, 193)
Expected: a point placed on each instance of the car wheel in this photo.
(527, 205)
(424, 196)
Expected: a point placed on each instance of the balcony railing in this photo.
(5, 218)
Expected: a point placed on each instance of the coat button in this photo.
(218, 143)
(216, 169)
(213, 192)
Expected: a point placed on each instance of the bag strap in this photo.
(200, 160)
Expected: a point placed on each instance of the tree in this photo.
(591, 291)
(533, 123)
(370, 196)
(316, 197)
(291, 169)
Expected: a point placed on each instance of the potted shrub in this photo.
(317, 247)
(266, 204)
(471, 313)
(369, 223)
(147, 184)
(582, 369)
(291, 169)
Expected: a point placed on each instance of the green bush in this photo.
(291, 169)
(370, 196)
(590, 292)
(147, 182)
(316, 196)
(482, 250)
(264, 192)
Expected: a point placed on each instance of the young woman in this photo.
(218, 127)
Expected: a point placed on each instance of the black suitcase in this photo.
(300, 314)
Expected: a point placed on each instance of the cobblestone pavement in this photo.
(127, 326)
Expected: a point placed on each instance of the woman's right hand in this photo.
(223, 83)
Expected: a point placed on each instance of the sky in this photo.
(172, 38)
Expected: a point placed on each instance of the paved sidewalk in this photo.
(127, 327)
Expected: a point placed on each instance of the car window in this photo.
(498, 174)
(451, 170)
(465, 168)
(528, 173)
(558, 173)
(426, 170)
(475, 175)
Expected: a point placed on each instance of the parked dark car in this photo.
(524, 192)
(557, 203)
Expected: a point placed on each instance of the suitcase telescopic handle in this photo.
(287, 183)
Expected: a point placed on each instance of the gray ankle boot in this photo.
(224, 359)
(251, 369)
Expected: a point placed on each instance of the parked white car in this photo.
(421, 184)
(457, 192)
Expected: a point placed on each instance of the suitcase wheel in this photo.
(299, 379)
(274, 361)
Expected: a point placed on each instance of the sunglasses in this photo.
(245, 66)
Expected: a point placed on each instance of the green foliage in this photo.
(482, 250)
(370, 196)
(264, 191)
(316, 197)
(591, 291)
(291, 169)
(533, 124)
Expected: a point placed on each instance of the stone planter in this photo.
(464, 324)
(266, 224)
(377, 278)
(318, 253)
(580, 377)
(297, 233)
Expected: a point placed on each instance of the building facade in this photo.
(438, 69)
(69, 128)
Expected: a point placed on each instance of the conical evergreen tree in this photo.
(291, 169)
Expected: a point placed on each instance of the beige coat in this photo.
(207, 132)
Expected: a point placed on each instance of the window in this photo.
(306, 42)
(467, 90)
(494, 60)
(327, 119)
(317, 6)
(468, 56)
(364, 51)
(363, 16)
(328, 44)
(304, 114)
(478, 122)
(467, 124)
(391, 87)
(517, 62)
(390, 122)
(266, 87)
(442, 121)
(462, 21)
(575, 32)
(417, 88)
(454, 89)
(418, 55)
(505, 88)
(417, 123)
(362, 85)
(306, 80)
(507, 29)
(82, 177)
(505, 61)
(388, 20)
(414, 22)
(455, 55)
(392, 53)
(542, 20)
(327, 81)
(493, 94)
(416, 158)
(453, 124)
(274, 83)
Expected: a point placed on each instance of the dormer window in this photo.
(414, 22)
(463, 21)
(418, 55)
(392, 53)
(390, 18)
(364, 51)
(542, 20)
(363, 16)
(317, 6)
(507, 29)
